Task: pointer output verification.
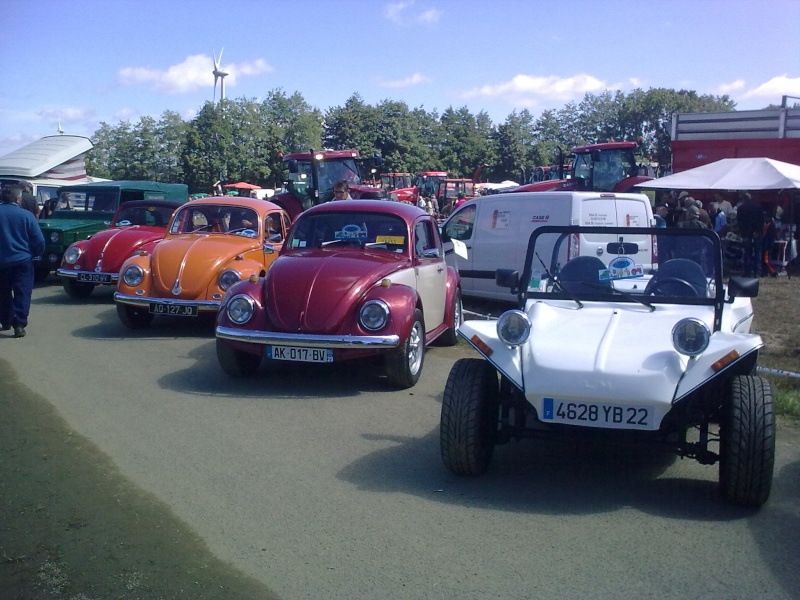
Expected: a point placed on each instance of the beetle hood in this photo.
(314, 291)
(191, 261)
(112, 247)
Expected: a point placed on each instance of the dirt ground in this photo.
(71, 527)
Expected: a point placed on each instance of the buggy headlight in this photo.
(54, 237)
(240, 309)
(72, 255)
(513, 327)
(374, 315)
(228, 278)
(133, 275)
(691, 336)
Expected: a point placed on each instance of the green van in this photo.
(84, 209)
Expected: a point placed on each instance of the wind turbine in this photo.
(219, 74)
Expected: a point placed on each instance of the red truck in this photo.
(312, 175)
(702, 138)
(399, 188)
(608, 167)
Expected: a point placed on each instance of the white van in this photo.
(495, 230)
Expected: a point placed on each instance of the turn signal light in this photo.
(481, 345)
(725, 361)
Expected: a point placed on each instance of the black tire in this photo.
(747, 442)
(404, 363)
(133, 317)
(77, 290)
(450, 337)
(235, 362)
(468, 426)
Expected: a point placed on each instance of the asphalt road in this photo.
(323, 483)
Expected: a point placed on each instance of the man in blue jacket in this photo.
(20, 240)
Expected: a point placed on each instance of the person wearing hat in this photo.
(692, 219)
(705, 219)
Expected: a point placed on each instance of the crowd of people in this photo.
(745, 225)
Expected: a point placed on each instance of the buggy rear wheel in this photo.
(747, 442)
(468, 426)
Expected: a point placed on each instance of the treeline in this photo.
(244, 139)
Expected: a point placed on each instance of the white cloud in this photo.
(430, 16)
(394, 11)
(415, 79)
(193, 73)
(126, 114)
(730, 88)
(774, 89)
(400, 14)
(529, 88)
(67, 115)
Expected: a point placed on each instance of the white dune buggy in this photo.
(661, 355)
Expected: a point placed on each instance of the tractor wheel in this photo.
(235, 362)
(468, 426)
(133, 317)
(76, 290)
(404, 363)
(747, 442)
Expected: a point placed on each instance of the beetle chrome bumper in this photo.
(145, 302)
(308, 340)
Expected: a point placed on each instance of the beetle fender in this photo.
(402, 301)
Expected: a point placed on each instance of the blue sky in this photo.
(82, 62)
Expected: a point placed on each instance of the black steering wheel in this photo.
(655, 284)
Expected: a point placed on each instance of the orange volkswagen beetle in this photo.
(210, 244)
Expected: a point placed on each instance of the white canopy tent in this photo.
(732, 174)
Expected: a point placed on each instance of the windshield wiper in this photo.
(556, 282)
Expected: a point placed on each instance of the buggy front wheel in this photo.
(747, 442)
(468, 425)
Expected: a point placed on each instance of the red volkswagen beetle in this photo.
(355, 279)
(136, 227)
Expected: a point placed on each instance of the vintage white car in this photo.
(602, 346)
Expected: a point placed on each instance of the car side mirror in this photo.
(431, 253)
(742, 287)
(269, 248)
(293, 166)
(507, 278)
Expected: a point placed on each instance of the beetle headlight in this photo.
(374, 315)
(228, 278)
(54, 237)
(72, 255)
(691, 336)
(133, 275)
(513, 327)
(240, 309)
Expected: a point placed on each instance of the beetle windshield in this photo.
(210, 218)
(364, 229)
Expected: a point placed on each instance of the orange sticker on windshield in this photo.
(397, 240)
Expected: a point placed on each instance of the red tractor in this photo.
(609, 167)
(312, 175)
(399, 188)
